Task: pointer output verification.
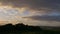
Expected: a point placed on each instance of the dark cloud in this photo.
(34, 4)
(45, 18)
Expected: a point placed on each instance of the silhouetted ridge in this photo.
(18, 28)
(24, 29)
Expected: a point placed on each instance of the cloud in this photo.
(46, 5)
(36, 8)
(45, 18)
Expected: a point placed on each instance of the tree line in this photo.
(18, 28)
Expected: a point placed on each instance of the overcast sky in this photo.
(32, 12)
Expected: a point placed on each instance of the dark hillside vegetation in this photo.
(24, 29)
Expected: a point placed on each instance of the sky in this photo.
(31, 12)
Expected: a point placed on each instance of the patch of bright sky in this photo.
(7, 13)
(25, 13)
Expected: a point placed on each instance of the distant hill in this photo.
(26, 29)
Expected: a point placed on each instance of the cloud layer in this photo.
(45, 10)
(46, 5)
(45, 18)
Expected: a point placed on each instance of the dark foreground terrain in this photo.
(24, 29)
